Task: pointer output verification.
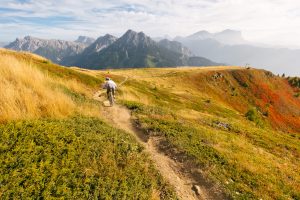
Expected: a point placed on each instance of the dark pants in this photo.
(112, 90)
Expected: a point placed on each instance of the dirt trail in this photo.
(169, 169)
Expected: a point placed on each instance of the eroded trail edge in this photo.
(171, 170)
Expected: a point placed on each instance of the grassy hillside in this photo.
(237, 89)
(239, 126)
(32, 87)
(54, 144)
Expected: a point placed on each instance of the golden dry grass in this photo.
(22, 54)
(25, 93)
(28, 93)
(27, 90)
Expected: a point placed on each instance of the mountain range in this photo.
(139, 50)
(132, 50)
(54, 50)
(136, 50)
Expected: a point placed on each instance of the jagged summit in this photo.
(136, 38)
(98, 45)
(85, 40)
(54, 50)
(28, 37)
(101, 43)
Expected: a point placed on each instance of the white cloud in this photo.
(268, 21)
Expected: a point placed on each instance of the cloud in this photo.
(268, 21)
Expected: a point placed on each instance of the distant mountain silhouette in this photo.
(278, 60)
(227, 36)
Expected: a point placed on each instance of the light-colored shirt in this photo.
(110, 84)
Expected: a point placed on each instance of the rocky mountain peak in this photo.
(54, 50)
(108, 36)
(134, 38)
(85, 40)
(130, 33)
(101, 43)
(27, 37)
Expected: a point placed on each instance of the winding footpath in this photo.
(120, 117)
(170, 169)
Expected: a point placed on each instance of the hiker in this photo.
(110, 86)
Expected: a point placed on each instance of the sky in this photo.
(273, 22)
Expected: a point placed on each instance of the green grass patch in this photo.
(254, 116)
(159, 95)
(78, 158)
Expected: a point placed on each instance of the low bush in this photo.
(254, 116)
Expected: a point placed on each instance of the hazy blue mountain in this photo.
(230, 37)
(135, 50)
(54, 50)
(278, 60)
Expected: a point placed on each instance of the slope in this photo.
(55, 144)
(229, 128)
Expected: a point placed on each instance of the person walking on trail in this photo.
(110, 86)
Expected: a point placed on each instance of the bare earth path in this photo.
(169, 169)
